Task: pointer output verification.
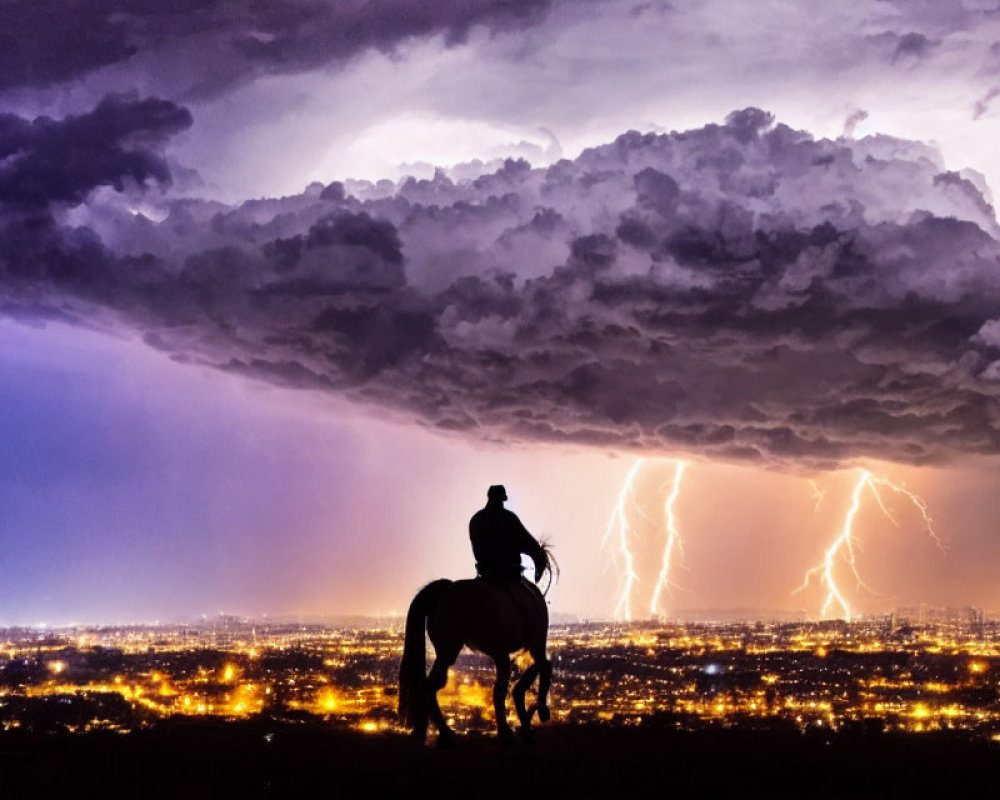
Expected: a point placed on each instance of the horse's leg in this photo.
(537, 624)
(544, 681)
(436, 680)
(504, 733)
(522, 686)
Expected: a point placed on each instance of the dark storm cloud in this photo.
(206, 46)
(46, 161)
(47, 41)
(47, 165)
(743, 291)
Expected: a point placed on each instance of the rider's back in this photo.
(498, 539)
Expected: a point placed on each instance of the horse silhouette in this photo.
(494, 618)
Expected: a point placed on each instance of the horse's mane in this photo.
(551, 567)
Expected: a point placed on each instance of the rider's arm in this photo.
(529, 545)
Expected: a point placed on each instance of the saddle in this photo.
(525, 595)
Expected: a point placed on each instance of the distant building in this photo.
(952, 616)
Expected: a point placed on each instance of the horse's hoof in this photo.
(506, 737)
(527, 736)
(544, 714)
(445, 741)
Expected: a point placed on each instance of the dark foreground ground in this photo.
(262, 759)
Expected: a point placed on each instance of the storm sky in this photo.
(285, 286)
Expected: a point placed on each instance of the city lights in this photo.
(918, 670)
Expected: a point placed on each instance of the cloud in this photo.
(982, 105)
(47, 166)
(45, 161)
(203, 47)
(43, 42)
(914, 45)
(294, 88)
(742, 291)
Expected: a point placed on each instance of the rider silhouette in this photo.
(499, 538)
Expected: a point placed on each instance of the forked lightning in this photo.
(621, 530)
(843, 547)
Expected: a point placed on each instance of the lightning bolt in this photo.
(618, 527)
(673, 541)
(620, 531)
(843, 547)
(817, 495)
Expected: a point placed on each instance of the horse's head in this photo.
(550, 567)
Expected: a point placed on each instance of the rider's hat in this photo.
(496, 492)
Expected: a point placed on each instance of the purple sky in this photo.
(247, 364)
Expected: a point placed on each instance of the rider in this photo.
(499, 538)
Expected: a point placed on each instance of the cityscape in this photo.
(657, 340)
(917, 671)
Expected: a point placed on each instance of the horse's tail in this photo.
(413, 708)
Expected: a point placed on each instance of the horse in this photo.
(491, 618)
